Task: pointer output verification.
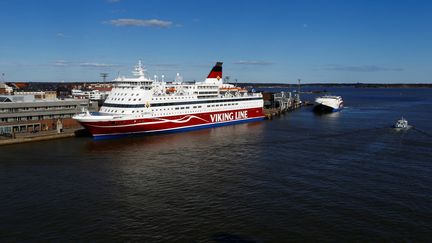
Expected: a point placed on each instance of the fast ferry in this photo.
(328, 103)
(143, 105)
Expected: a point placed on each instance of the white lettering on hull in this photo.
(229, 116)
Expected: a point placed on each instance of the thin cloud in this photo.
(63, 63)
(113, 1)
(60, 35)
(140, 23)
(95, 64)
(253, 63)
(361, 68)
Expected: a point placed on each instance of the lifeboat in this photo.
(234, 89)
(170, 90)
(230, 89)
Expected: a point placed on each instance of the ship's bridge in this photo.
(141, 79)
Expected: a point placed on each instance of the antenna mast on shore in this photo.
(104, 76)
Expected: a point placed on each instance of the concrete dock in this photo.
(40, 136)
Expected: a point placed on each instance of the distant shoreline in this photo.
(353, 85)
(69, 85)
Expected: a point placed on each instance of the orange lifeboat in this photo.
(230, 89)
(170, 90)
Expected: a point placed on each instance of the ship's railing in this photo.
(132, 83)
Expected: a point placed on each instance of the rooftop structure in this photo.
(5, 89)
(24, 113)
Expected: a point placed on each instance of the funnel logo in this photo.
(216, 71)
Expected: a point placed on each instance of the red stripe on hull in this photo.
(170, 122)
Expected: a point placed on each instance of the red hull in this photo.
(180, 122)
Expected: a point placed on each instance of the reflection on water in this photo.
(172, 141)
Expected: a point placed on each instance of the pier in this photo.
(276, 104)
(40, 136)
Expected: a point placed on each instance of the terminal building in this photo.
(26, 113)
(39, 95)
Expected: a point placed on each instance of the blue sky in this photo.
(258, 41)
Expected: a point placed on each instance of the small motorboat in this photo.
(401, 124)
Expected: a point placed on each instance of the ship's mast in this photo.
(139, 70)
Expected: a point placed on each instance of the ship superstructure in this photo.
(144, 105)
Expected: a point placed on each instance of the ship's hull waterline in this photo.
(186, 122)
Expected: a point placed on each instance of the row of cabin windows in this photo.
(149, 87)
(124, 94)
(205, 96)
(133, 87)
(187, 87)
(169, 98)
(122, 99)
(173, 98)
(133, 111)
(208, 92)
(217, 105)
(208, 87)
(134, 83)
(126, 87)
(177, 108)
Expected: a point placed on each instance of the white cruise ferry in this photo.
(328, 103)
(143, 105)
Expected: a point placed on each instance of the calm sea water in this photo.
(340, 177)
